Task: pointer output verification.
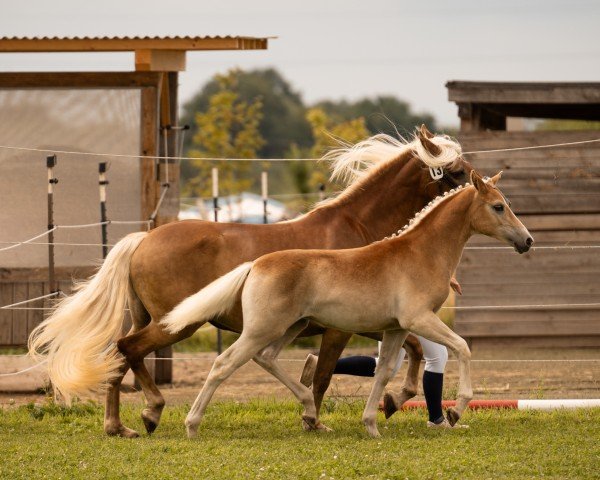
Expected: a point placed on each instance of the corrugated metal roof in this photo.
(120, 44)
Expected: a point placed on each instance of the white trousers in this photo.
(435, 355)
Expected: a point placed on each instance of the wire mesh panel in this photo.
(89, 120)
(105, 121)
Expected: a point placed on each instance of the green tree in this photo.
(228, 128)
(382, 114)
(326, 134)
(283, 123)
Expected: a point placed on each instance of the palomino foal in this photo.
(394, 286)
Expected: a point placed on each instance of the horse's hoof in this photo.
(389, 405)
(191, 431)
(309, 423)
(150, 421)
(150, 425)
(371, 426)
(323, 428)
(452, 416)
(122, 431)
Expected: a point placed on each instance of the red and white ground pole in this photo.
(517, 404)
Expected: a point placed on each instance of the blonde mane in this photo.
(355, 162)
(426, 210)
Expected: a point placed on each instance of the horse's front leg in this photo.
(388, 357)
(332, 346)
(393, 402)
(432, 328)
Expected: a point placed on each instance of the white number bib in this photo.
(436, 172)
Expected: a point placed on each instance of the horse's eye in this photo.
(459, 173)
(499, 208)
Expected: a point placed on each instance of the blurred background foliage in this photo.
(259, 114)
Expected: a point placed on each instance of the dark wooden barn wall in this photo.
(17, 285)
(556, 193)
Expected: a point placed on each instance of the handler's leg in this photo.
(436, 356)
(388, 358)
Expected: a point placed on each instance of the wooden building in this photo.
(556, 193)
(125, 112)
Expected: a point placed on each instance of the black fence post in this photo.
(50, 164)
(102, 183)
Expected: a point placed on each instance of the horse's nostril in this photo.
(529, 241)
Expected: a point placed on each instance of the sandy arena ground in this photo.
(568, 378)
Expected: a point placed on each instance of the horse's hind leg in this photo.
(393, 402)
(267, 358)
(112, 420)
(242, 350)
(332, 346)
(135, 348)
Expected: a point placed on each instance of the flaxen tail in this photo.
(78, 338)
(214, 299)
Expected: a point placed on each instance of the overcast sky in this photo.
(337, 49)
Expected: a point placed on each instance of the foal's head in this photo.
(491, 214)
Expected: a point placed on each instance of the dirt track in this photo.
(558, 379)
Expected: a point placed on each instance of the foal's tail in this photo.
(78, 338)
(214, 299)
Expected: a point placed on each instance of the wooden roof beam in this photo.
(160, 60)
(130, 44)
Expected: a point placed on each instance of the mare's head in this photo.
(411, 172)
(440, 163)
(491, 214)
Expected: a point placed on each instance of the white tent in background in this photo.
(244, 208)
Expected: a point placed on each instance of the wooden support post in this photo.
(168, 174)
(149, 146)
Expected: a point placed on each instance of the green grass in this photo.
(263, 439)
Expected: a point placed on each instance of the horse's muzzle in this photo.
(523, 246)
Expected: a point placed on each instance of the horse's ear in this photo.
(426, 133)
(478, 182)
(428, 145)
(495, 178)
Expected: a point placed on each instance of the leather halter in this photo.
(447, 180)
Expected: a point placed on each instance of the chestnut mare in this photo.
(394, 285)
(390, 180)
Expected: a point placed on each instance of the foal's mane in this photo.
(426, 210)
(356, 165)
